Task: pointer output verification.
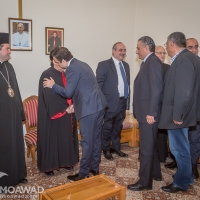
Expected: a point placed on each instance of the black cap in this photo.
(4, 38)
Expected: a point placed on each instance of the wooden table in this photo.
(93, 188)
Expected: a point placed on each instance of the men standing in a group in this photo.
(113, 77)
(179, 107)
(12, 158)
(147, 96)
(194, 132)
(89, 106)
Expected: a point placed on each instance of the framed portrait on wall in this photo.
(54, 38)
(20, 31)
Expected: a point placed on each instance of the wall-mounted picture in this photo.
(20, 31)
(54, 38)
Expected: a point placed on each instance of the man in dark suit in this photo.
(194, 132)
(113, 77)
(148, 86)
(179, 108)
(89, 106)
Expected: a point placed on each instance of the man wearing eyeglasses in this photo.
(194, 132)
(113, 77)
(179, 107)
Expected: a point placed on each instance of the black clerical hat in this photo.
(4, 38)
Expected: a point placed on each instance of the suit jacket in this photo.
(181, 90)
(107, 78)
(83, 88)
(165, 68)
(148, 87)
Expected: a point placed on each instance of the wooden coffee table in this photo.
(93, 188)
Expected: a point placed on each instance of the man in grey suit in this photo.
(147, 95)
(179, 108)
(89, 106)
(113, 77)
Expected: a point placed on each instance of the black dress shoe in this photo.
(171, 165)
(195, 171)
(50, 173)
(76, 177)
(172, 188)
(137, 187)
(69, 168)
(23, 180)
(119, 153)
(107, 155)
(94, 173)
(157, 179)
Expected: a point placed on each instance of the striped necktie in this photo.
(124, 79)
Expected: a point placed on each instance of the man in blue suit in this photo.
(89, 106)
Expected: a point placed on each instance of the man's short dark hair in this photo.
(61, 53)
(51, 56)
(146, 40)
(115, 45)
(177, 38)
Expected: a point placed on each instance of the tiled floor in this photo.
(124, 171)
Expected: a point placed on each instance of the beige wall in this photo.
(92, 27)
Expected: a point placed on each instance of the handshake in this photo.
(70, 109)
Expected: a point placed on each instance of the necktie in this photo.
(142, 64)
(124, 79)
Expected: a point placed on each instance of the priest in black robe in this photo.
(57, 145)
(12, 151)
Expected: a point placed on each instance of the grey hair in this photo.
(177, 38)
(148, 41)
(115, 45)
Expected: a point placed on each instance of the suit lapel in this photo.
(112, 66)
(143, 66)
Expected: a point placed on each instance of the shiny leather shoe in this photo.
(171, 165)
(94, 173)
(137, 187)
(195, 172)
(69, 168)
(119, 153)
(172, 188)
(107, 155)
(76, 177)
(157, 179)
(50, 173)
(23, 180)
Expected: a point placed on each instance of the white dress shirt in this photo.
(119, 75)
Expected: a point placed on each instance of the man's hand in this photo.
(150, 119)
(176, 122)
(70, 109)
(48, 82)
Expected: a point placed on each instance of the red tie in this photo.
(69, 101)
